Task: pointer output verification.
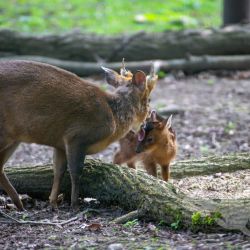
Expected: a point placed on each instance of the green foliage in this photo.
(176, 225)
(230, 127)
(196, 218)
(177, 222)
(131, 223)
(108, 16)
(161, 74)
(205, 150)
(206, 221)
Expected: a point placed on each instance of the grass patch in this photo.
(108, 16)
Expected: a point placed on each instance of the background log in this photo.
(130, 189)
(192, 64)
(232, 40)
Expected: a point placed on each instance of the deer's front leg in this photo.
(59, 168)
(75, 157)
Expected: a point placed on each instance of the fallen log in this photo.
(189, 65)
(135, 190)
(210, 165)
(76, 46)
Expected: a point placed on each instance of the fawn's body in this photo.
(157, 147)
(43, 104)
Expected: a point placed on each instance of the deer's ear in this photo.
(139, 79)
(152, 77)
(112, 77)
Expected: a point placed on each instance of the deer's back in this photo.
(40, 103)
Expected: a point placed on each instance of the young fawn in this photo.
(154, 144)
(43, 104)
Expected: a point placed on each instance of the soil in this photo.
(214, 118)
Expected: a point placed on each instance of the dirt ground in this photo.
(214, 118)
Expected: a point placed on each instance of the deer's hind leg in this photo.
(5, 153)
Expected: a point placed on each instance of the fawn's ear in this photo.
(153, 116)
(166, 123)
(169, 122)
(112, 77)
(139, 79)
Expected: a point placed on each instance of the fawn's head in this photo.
(156, 132)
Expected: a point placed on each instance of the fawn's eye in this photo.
(149, 139)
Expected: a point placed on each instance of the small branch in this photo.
(126, 217)
(39, 222)
(9, 217)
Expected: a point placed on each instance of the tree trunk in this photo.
(236, 12)
(154, 199)
(135, 47)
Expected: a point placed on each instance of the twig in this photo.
(39, 222)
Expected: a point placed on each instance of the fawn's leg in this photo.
(131, 165)
(165, 172)
(75, 158)
(151, 168)
(59, 168)
(4, 181)
(117, 158)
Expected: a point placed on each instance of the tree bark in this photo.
(82, 47)
(154, 199)
(192, 64)
(236, 12)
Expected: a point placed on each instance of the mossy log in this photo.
(154, 199)
(77, 46)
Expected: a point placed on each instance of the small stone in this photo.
(217, 175)
(116, 246)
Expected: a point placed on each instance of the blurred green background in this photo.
(108, 16)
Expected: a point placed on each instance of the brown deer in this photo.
(154, 144)
(43, 104)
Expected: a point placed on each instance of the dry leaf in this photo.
(95, 227)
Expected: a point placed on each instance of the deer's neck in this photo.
(126, 107)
